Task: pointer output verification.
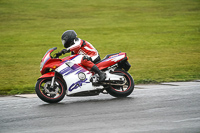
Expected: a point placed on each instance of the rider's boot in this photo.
(102, 75)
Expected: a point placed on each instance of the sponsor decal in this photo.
(77, 84)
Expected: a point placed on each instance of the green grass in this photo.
(161, 38)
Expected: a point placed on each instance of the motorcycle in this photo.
(68, 77)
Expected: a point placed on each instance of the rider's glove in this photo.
(62, 52)
(65, 51)
(58, 54)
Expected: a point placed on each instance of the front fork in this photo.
(53, 80)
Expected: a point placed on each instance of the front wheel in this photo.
(124, 90)
(46, 93)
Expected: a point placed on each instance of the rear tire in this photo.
(47, 94)
(122, 91)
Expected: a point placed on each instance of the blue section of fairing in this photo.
(74, 68)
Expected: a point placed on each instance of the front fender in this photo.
(50, 75)
(47, 75)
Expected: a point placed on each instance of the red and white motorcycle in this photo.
(67, 76)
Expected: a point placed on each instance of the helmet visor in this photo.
(63, 42)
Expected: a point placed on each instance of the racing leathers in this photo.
(90, 57)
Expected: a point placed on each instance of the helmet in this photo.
(68, 38)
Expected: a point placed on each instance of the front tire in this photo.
(126, 89)
(48, 94)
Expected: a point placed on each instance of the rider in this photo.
(78, 46)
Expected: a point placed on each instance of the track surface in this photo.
(164, 108)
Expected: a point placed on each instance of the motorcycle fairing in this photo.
(64, 60)
(70, 73)
(111, 60)
(47, 75)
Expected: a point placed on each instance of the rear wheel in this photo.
(48, 94)
(121, 90)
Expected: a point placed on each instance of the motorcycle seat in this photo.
(106, 57)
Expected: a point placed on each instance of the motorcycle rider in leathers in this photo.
(78, 46)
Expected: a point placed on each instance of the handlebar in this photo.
(57, 55)
(64, 51)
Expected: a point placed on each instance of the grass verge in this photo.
(161, 38)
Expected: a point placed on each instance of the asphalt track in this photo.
(165, 108)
